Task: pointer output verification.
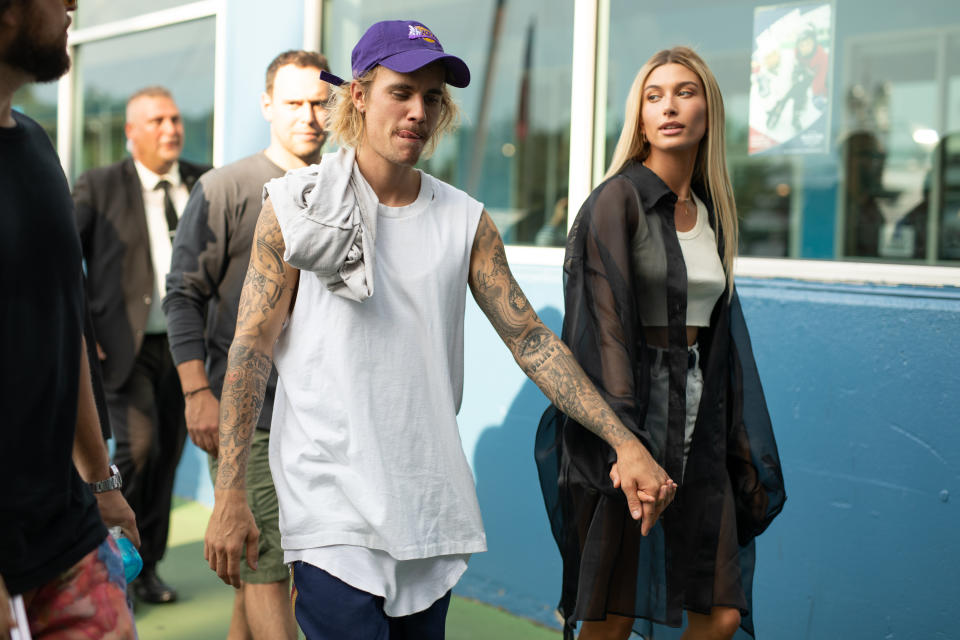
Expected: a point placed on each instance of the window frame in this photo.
(590, 32)
(591, 27)
(937, 40)
(144, 22)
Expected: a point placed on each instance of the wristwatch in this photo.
(112, 483)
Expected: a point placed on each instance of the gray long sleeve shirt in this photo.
(210, 257)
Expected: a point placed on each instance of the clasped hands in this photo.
(232, 533)
(648, 488)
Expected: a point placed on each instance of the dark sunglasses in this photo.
(70, 5)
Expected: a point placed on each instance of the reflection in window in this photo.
(96, 12)
(946, 162)
(178, 57)
(948, 203)
(39, 101)
(887, 153)
(512, 149)
(885, 185)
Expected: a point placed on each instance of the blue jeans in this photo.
(656, 421)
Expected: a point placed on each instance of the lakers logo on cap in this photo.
(418, 31)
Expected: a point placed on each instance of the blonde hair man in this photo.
(378, 509)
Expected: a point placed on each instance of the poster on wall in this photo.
(790, 78)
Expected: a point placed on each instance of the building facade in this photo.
(843, 138)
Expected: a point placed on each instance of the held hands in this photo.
(202, 411)
(115, 512)
(646, 485)
(230, 532)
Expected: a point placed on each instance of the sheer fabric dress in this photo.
(701, 552)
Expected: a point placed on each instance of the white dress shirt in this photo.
(160, 241)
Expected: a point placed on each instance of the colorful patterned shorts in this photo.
(86, 601)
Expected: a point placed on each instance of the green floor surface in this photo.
(203, 610)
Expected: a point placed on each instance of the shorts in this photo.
(262, 499)
(88, 600)
(656, 421)
(328, 608)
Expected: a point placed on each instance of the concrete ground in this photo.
(203, 610)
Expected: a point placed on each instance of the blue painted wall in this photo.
(255, 33)
(862, 384)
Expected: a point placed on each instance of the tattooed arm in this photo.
(548, 362)
(265, 300)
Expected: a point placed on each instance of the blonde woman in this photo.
(653, 318)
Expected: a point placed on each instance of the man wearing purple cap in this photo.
(356, 288)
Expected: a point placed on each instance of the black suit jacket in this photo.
(116, 246)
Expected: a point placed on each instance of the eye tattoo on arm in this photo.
(538, 351)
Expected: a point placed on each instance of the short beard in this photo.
(45, 62)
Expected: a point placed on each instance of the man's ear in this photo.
(266, 106)
(10, 19)
(358, 96)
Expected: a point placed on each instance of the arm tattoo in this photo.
(563, 381)
(538, 351)
(243, 391)
(494, 288)
(268, 284)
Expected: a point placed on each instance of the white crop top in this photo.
(705, 278)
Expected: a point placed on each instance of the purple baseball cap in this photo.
(405, 46)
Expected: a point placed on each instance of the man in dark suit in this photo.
(127, 213)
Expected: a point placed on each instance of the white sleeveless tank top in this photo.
(706, 279)
(364, 444)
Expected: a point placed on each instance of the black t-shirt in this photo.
(48, 517)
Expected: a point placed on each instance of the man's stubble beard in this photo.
(43, 61)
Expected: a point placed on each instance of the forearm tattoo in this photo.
(538, 351)
(244, 387)
(267, 285)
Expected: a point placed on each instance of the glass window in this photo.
(512, 148)
(945, 182)
(39, 101)
(842, 118)
(891, 131)
(96, 12)
(178, 57)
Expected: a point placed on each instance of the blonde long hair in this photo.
(346, 122)
(711, 163)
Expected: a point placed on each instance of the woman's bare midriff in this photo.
(658, 336)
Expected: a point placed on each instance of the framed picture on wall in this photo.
(790, 78)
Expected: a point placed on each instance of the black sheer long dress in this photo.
(701, 552)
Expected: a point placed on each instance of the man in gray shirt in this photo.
(210, 256)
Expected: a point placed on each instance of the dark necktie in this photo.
(168, 209)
